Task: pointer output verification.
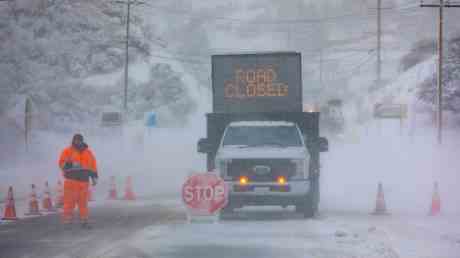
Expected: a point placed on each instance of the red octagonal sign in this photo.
(205, 193)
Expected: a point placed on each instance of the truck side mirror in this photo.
(204, 146)
(323, 144)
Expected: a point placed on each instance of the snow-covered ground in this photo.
(332, 234)
(407, 164)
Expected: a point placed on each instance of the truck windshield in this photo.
(284, 136)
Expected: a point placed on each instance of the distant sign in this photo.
(205, 194)
(335, 102)
(263, 82)
(111, 119)
(397, 111)
(151, 119)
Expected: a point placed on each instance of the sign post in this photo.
(204, 195)
(150, 119)
(27, 122)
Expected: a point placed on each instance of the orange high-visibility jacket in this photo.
(83, 159)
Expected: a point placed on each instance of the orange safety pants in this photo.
(75, 192)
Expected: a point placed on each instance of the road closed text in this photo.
(257, 82)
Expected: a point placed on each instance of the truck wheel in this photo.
(316, 197)
(306, 207)
(309, 212)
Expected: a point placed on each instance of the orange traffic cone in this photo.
(10, 208)
(435, 208)
(47, 203)
(113, 189)
(33, 203)
(129, 194)
(59, 201)
(380, 206)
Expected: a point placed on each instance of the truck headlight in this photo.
(299, 168)
(223, 168)
(281, 180)
(244, 180)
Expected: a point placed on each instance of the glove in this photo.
(94, 181)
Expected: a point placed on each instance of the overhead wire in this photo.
(338, 18)
(177, 59)
(406, 8)
(351, 71)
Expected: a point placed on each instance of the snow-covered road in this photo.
(280, 233)
(250, 232)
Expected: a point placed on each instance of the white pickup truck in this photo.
(266, 163)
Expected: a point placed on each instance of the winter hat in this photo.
(77, 137)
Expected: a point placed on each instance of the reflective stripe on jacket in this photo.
(78, 165)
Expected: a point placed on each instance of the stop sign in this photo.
(205, 193)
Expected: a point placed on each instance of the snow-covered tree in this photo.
(49, 48)
(164, 90)
(451, 80)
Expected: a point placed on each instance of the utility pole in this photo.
(321, 67)
(321, 28)
(289, 37)
(379, 44)
(128, 4)
(441, 6)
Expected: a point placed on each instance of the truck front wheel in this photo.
(306, 207)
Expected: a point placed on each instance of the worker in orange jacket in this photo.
(78, 165)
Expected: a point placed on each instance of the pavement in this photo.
(112, 221)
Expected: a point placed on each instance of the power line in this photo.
(350, 73)
(348, 56)
(180, 59)
(402, 9)
(406, 6)
(338, 18)
(357, 67)
(192, 58)
(443, 3)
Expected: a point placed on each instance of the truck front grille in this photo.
(260, 170)
(272, 188)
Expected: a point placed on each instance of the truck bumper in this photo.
(291, 193)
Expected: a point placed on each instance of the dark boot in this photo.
(86, 225)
